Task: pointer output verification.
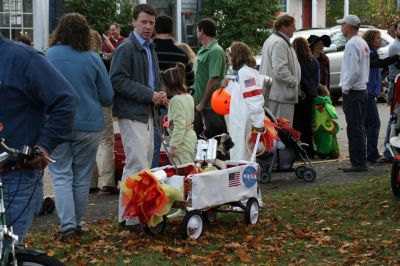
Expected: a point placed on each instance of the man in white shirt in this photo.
(353, 80)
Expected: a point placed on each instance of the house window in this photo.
(283, 5)
(16, 18)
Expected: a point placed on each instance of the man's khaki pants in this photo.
(138, 141)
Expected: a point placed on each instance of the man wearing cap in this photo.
(279, 61)
(353, 80)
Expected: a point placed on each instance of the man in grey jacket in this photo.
(134, 74)
(279, 61)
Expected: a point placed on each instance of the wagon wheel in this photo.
(210, 215)
(299, 171)
(265, 177)
(309, 175)
(395, 178)
(158, 229)
(192, 225)
(252, 211)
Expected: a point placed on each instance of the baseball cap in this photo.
(350, 19)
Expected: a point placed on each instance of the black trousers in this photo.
(355, 109)
(302, 121)
(215, 124)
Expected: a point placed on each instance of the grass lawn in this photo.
(356, 223)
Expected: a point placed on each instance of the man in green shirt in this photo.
(209, 71)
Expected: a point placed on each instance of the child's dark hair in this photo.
(174, 79)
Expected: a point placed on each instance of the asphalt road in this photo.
(105, 206)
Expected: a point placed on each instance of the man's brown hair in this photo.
(146, 8)
(283, 20)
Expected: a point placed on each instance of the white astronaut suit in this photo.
(246, 109)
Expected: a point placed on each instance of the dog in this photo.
(224, 144)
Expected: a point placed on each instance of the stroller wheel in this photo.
(265, 177)
(309, 175)
(299, 171)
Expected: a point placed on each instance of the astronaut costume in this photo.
(246, 109)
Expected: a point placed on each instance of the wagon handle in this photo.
(253, 155)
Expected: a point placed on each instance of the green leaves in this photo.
(101, 13)
(245, 21)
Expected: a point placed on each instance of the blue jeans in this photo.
(72, 173)
(157, 137)
(23, 196)
(372, 126)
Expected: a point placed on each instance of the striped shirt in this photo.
(169, 54)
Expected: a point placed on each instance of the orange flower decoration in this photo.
(143, 197)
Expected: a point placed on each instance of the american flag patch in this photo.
(250, 82)
(234, 179)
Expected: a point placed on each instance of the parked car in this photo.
(336, 50)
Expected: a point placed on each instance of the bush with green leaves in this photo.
(101, 13)
(246, 21)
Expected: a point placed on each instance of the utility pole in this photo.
(346, 7)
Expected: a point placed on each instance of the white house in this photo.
(308, 13)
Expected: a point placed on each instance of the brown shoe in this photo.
(111, 190)
(355, 169)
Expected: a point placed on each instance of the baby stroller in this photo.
(285, 151)
(393, 139)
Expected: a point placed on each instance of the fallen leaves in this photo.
(325, 226)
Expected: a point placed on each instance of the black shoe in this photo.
(111, 190)
(69, 235)
(79, 230)
(355, 169)
(94, 190)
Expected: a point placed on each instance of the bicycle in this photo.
(11, 253)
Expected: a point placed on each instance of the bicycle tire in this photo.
(28, 259)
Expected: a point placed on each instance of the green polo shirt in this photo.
(210, 63)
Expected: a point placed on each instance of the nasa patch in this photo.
(249, 176)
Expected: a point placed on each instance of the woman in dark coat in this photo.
(308, 90)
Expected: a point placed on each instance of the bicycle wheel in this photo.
(28, 259)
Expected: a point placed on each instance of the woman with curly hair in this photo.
(374, 86)
(70, 52)
(247, 100)
(308, 90)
